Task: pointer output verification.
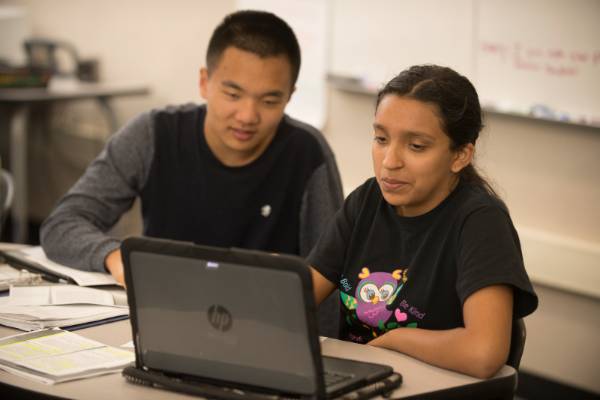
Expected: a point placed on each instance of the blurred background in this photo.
(535, 63)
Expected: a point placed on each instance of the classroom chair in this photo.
(6, 195)
(517, 344)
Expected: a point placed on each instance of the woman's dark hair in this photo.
(457, 103)
(258, 32)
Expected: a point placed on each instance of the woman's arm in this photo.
(479, 349)
(321, 286)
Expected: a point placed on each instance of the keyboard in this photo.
(333, 377)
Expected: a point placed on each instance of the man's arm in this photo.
(74, 233)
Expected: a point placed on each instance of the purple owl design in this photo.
(374, 293)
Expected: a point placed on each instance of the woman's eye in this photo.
(379, 139)
(417, 147)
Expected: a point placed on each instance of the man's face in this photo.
(246, 96)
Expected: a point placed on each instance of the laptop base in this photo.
(196, 388)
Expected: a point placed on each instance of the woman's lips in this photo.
(393, 185)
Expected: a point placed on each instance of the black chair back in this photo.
(517, 344)
(6, 195)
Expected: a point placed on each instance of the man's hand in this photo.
(114, 265)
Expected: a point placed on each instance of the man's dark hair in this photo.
(258, 32)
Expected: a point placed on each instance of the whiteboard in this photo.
(376, 39)
(533, 57)
(540, 56)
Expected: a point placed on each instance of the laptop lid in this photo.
(225, 315)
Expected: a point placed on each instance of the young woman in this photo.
(426, 244)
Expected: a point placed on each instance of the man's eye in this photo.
(271, 102)
(232, 95)
(379, 139)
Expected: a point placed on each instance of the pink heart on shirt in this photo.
(400, 316)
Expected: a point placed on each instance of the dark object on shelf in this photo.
(22, 77)
(60, 58)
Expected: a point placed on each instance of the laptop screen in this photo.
(224, 321)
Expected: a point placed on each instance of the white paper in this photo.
(58, 295)
(83, 278)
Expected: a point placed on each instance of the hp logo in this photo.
(220, 318)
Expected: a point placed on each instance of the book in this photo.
(34, 259)
(52, 355)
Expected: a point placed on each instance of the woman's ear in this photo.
(462, 157)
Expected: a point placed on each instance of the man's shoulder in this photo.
(306, 135)
(177, 111)
(176, 121)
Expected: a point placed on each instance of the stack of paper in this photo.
(53, 355)
(36, 307)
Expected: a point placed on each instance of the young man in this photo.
(233, 172)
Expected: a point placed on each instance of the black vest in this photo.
(190, 195)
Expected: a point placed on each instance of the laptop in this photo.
(232, 323)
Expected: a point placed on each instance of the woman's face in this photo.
(412, 160)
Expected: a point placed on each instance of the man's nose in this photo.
(248, 112)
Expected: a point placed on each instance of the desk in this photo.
(420, 380)
(18, 103)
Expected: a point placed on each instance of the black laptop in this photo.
(232, 323)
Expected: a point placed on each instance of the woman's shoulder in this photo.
(472, 198)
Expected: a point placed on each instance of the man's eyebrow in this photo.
(273, 93)
(232, 85)
(379, 127)
(235, 86)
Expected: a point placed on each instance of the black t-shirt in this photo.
(395, 271)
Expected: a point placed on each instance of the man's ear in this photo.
(203, 82)
(463, 157)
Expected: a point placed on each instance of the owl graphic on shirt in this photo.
(374, 293)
